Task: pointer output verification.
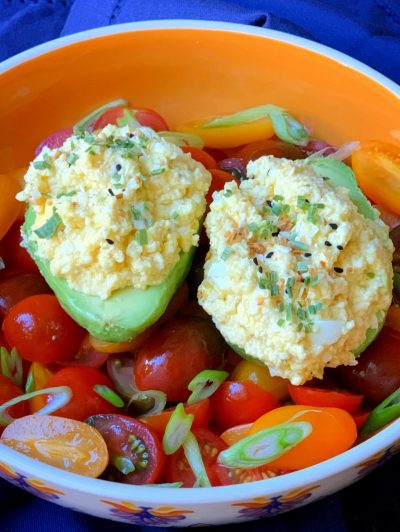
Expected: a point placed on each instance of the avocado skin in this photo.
(126, 313)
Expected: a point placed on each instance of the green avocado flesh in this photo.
(126, 313)
(339, 175)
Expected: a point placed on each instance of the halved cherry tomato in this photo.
(235, 166)
(135, 450)
(377, 168)
(41, 330)
(146, 117)
(234, 434)
(219, 179)
(16, 287)
(13, 254)
(63, 443)
(310, 396)
(333, 432)
(235, 403)
(9, 207)
(393, 318)
(55, 140)
(275, 147)
(178, 469)
(87, 356)
(85, 400)
(201, 412)
(260, 375)
(170, 359)
(37, 378)
(9, 390)
(229, 137)
(228, 476)
(360, 417)
(200, 156)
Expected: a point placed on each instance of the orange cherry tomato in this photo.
(63, 443)
(333, 432)
(219, 178)
(393, 318)
(200, 156)
(377, 168)
(275, 147)
(37, 379)
(229, 137)
(250, 371)
(234, 434)
(310, 396)
(9, 207)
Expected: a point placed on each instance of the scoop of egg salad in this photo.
(295, 275)
(115, 208)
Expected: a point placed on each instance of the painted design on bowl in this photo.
(34, 486)
(377, 460)
(145, 515)
(261, 507)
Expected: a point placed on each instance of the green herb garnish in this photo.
(72, 158)
(142, 237)
(44, 164)
(49, 228)
(226, 253)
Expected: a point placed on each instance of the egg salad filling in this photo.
(115, 208)
(295, 275)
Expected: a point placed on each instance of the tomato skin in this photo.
(275, 147)
(170, 359)
(234, 434)
(334, 431)
(236, 403)
(260, 375)
(377, 168)
(55, 140)
(41, 330)
(307, 395)
(10, 208)
(87, 356)
(393, 318)
(38, 374)
(9, 390)
(85, 402)
(219, 179)
(360, 417)
(116, 431)
(146, 117)
(16, 287)
(13, 254)
(228, 476)
(200, 156)
(377, 373)
(178, 469)
(201, 412)
(235, 166)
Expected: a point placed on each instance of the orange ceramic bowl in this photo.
(186, 70)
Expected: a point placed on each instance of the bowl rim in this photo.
(310, 476)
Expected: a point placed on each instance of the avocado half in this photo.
(339, 175)
(126, 313)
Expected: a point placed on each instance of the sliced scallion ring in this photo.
(265, 446)
(128, 119)
(182, 139)
(205, 384)
(178, 427)
(49, 228)
(11, 365)
(193, 456)
(85, 123)
(61, 395)
(109, 395)
(160, 400)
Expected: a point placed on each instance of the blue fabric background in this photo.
(366, 29)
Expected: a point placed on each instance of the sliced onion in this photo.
(328, 331)
(205, 384)
(85, 122)
(345, 150)
(60, 396)
(11, 365)
(182, 139)
(193, 456)
(316, 148)
(178, 427)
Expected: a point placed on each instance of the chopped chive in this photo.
(299, 245)
(142, 237)
(49, 228)
(277, 197)
(311, 280)
(289, 311)
(123, 464)
(228, 193)
(280, 322)
(263, 283)
(158, 171)
(252, 227)
(66, 194)
(72, 158)
(299, 327)
(371, 275)
(312, 309)
(226, 253)
(175, 215)
(302, 267)
(290, 281)
(44, 164)
(109, 395)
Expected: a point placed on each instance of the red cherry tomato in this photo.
(228, 476)
(309, 396)
(277, 148)
(41, 330)
(85, 400)
(178, 468)
(377, 373)
(235, 166)
(55, 140)
(13, 254)
(201, 156)
(180, 349)
(9, 390)
(16, 287)
(237, 403)
(360, 417)
(135, 451)
(87, 356)
(146, 117)
(201, 412)
(219, 178)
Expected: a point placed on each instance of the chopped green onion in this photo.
(11, 365)
(228, 192)
(158, 171)
(85, 123)
(44, 164)
(175, 215)
(49, 228)
(280, 322)
(141, 237)
(299, 327)
(371, 275)
(109, 395)
(277, 197)
(123, 464)
(383, 414)
(127, 119)
(60, 396)
(290, 281)
(302, 267)
(289, 311)
(72, 158)
(164, 485)
(265, 446)
(205, 384)
(311, 280)
(66, 194)
(253, 226)
(182, 139)
(299, 245)
(193, 456)
(226, 253)
(159, 401)
(177, 429)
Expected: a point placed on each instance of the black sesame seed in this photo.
(110, 192)
(269, 203)
(276, 233)
(260, 269)
(307, 254)
(109, 241)
(255, 261)
(338, 270)
(340, 247)
(307, 201)
(118, 167)
(269, 255)
(334, 226)
(131, 135)
(327, 243)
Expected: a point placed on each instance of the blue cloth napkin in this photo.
(366, 29)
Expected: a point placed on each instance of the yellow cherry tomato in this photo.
(333, 432)
(10, 208)
(229, 137)
(37, 378)
(249, 371)
(64, 443)
(377, 168)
